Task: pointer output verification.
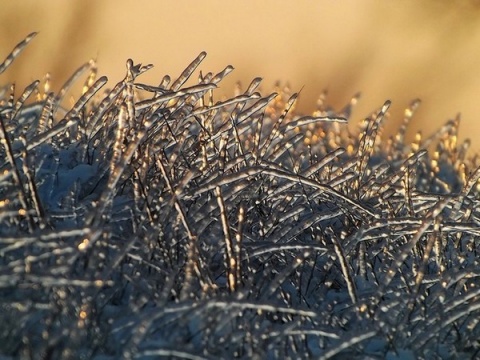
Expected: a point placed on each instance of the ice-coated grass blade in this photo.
(188, 72)
(15, 52)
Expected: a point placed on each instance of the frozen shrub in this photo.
(153, 221)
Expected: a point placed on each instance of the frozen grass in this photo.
(151, 221)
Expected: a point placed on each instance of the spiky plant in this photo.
(151, 221)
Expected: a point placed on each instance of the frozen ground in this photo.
(156, 222)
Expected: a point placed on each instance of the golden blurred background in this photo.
(398, 50)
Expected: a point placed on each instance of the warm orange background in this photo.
(397, 50)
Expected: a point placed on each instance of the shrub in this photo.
(153, 221)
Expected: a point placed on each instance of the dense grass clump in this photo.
(153, 221)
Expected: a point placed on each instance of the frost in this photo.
(153, 221)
